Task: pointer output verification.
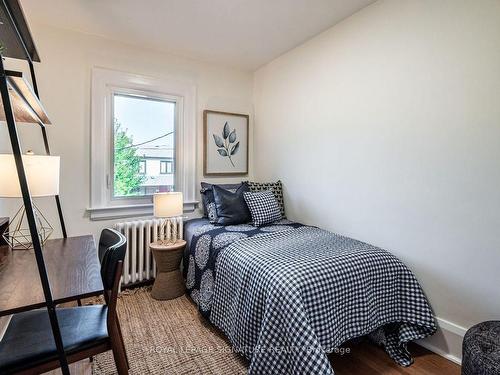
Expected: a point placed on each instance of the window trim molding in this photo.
(106, 81)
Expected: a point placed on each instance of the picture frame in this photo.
(225, 143)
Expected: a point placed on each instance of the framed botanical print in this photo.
(225, 140)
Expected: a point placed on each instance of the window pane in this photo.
(163, 167)
(144, 140)
(142, 167)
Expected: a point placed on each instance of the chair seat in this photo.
(28, 340)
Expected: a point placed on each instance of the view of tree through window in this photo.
(144, 141)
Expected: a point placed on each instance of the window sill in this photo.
(138, 210)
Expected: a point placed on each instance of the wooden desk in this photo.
(72, 266)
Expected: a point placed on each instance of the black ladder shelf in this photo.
(20, 102)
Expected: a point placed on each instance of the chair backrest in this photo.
(112, 248)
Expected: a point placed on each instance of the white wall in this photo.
(386, 128)
(64, 79)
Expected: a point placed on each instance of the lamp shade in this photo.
(42, 173)
(168, 204)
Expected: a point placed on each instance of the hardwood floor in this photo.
(364, 359)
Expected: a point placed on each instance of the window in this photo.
(142, 167)
(166, 167)
(143, 140)
(143, 133)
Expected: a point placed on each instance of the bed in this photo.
(286, 295)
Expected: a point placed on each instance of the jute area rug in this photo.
(169, 337)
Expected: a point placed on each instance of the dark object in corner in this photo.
(231, 207)
(4, 224)
(481, 349)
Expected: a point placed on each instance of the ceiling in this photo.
(244, 34)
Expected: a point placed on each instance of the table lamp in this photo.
(42, 173)
(166, 206)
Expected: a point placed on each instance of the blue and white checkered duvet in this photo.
(286, 299)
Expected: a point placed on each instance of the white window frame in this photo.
(106, 83)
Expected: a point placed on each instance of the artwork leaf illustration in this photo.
(218, 141)
(225, 131)
(232, 136)
(235, 148)
(226, 145)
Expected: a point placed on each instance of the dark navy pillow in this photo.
(207, 198)
(231, 207)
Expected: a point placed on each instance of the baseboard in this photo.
(438, 351)
(451, 327)
(447, 341)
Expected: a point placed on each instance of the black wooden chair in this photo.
(28, 345)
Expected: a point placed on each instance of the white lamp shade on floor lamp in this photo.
(168, 204)
(42, 173)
